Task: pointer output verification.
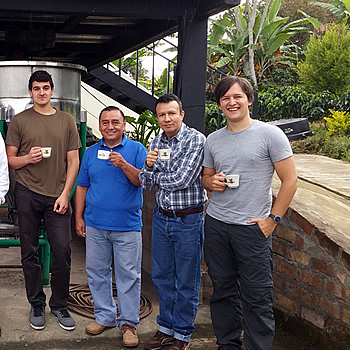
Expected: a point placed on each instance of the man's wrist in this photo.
(275, 218)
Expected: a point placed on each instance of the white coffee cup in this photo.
(101, 154)
(164, 154)
(46, 151)
(232, 181)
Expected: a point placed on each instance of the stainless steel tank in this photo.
(14, 95)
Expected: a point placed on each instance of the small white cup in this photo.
(101, 154)
(232, 181)
(46, 151)
(164, 154)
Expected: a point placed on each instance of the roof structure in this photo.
(92, 32)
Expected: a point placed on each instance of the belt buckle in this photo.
(165, 212)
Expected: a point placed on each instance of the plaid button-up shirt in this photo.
(179, 180)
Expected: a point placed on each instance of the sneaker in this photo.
(158, 341)
(130, 338)
(64, 318)
(180, 345)
(37, 316)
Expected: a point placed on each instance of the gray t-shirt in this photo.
(251, 154)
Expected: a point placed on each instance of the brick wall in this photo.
(311, 277)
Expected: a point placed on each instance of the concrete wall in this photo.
(93, 101)
(311, 276)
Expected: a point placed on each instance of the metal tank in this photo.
(14, 95)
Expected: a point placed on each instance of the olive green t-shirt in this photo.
(59, 131)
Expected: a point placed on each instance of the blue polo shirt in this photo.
(112, 201)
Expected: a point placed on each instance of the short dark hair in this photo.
(111, 108)
(40, 76)
(166, 98)
(225, 84)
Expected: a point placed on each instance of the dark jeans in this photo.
(239, 260)
(32, 207)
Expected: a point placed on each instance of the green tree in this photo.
(247, 41)
(327, 61)
(294, 9)
(289, 8)
(339, 8)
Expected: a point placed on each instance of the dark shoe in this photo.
(95, 328)
(130, 338)
(158, 341)
(64, 318)
(37, 316)
(180, 345)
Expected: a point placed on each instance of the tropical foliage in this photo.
(339, 8)
(230, 41)
(327, 61)
(335, 146)
(145, 127)
(339, 123)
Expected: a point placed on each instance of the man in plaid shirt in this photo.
(177, 233)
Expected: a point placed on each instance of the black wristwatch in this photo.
(276, 218)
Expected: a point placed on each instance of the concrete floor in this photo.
(14, 308)
(17, 333)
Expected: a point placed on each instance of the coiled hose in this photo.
(80, 301)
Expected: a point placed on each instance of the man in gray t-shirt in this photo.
(239, 163)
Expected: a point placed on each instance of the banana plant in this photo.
(145, 127)
(226, 47)
(228, 43)
(339, 8)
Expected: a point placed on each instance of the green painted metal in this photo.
(2, 128)
(44, 251)
(82, 139)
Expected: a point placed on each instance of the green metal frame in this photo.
(44, 252)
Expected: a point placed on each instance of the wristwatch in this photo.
(276, 218)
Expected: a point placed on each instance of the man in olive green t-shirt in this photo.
(42, 146)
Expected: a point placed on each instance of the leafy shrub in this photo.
(327, 61)
(280, 76)
(321, 143)
(339, 123)
(269, 106)
(319, 105)
(214, 118)
(281, 103)
(343, 104)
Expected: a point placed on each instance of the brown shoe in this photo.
(158, 341)
(180, 345)
(95, 328)
(130, 338)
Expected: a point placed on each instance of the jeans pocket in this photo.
(191, 219)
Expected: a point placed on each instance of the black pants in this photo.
(239, 259)
(32, 207)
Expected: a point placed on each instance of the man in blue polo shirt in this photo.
(108, 190)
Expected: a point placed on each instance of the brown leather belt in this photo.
(181, 212)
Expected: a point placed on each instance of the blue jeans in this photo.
(126, 247)
(176, 271)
